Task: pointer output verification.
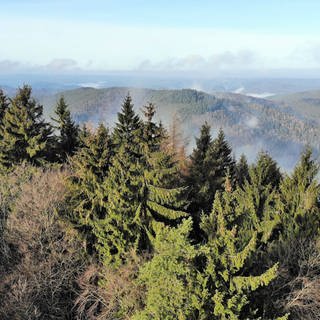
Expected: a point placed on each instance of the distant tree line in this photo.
(121, 224)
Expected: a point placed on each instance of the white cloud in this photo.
(56, 65)
(221, 61)
(101, 46)
(62, 65)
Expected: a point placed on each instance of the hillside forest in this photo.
(121, 223)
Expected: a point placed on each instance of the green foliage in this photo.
(138, 188)
(242, 170)
(24, 134)
(267, 170)
(127, 127)
(258, 198)
(125, 196)
(68, 138)
(278, 129)
(220, 154)
(225, 255)
(169, 277)
(201, 187)
(90, 167)
(4, 104)
(299, 199)
(211, 163)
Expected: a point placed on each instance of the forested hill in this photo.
(305, 104)
(251, 124)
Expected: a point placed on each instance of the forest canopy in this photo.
(120, 223)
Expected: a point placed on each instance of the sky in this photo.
(207, 37)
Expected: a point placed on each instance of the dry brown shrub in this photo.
(297, 288)
(46, 253)
(303, 300)
(109, 294)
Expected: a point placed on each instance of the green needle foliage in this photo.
(169, 278)
(257, 199)
(25, 136)
(299, 199)
(138, 187)
(242, 170)
(90, 166)
(226, 256)
(211, 162)
(68, 131)
(248, 249)
(201, 186)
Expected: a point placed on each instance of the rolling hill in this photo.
(305, 104)
(250, 124)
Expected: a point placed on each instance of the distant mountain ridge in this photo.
(305, 104)
(251, 124)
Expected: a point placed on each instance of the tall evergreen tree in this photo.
(242, 170)
(126, 130)
(170, 276)
(227, 277)
(68, 138)
(268, 170)
(88, 196)
(300, 209)
(220, 154)
(198, 181)
(211, 163)
(25, 135)
(138, 188)
(258, 198)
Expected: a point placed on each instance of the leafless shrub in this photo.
(110, 294)
(46, 255)
(297, 288)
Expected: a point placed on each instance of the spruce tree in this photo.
(138, 187)
(258, 198)
(300, 210)
(170, 276)
(127, 128)
(268, 169)
(88, 196)
(211, 162)
(68, 138)
(220, 154)
(242, 170)
(228, 279)
(200, 193)
(25, 135)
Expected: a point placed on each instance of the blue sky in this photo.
(203, 36)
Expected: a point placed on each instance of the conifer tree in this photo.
(258, 198)
(220, 154)
(226, 255)
(84, 133)
(88, 196)
(299, 192)
(4, 104)
(268, 169)
(138, 188)
(170, 276)
(24, 133)
(68, 138)
(242, 170)
(201, 187)
(211, 162)
(128, 126)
